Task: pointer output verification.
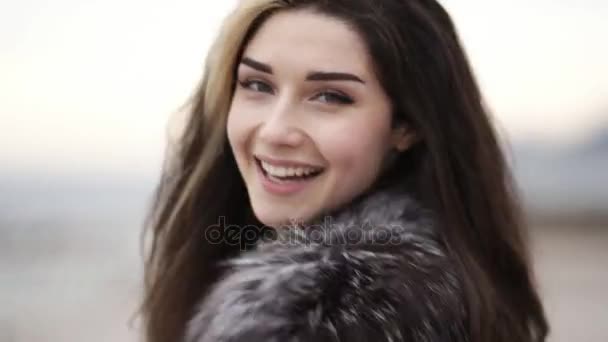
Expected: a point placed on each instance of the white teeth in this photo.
(279, 171)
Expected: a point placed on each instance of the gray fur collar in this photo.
(374, 270)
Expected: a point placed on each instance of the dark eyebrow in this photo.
(332, 76)
(257, 65)
(312, 76)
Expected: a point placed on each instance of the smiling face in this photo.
(309, 124)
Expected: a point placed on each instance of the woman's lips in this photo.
(282, 187)
(285, 163)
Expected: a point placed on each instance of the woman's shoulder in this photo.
(378, 275)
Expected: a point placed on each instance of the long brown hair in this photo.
(457, 169)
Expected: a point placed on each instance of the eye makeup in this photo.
(256, 86)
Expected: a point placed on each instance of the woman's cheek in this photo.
(241, 123)
(356, 157)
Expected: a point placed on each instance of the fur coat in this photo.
(375, 270)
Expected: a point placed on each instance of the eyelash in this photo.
(335, 96)
(247, 85)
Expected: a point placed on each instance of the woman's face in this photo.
(309, 124)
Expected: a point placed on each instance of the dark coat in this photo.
(373, 271)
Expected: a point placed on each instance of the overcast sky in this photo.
(89, 85)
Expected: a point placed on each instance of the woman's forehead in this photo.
(300, 40)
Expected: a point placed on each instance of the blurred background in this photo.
(87, 89)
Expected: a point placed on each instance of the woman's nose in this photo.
(280, 127)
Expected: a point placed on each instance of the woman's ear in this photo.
(403, 137)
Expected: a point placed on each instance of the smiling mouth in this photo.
(287, 174)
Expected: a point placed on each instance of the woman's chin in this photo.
(272, 218)
(279, 222)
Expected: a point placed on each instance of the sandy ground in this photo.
(87, 291)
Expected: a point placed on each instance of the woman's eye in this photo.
(255, 85)
(334, 97)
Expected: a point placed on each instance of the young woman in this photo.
(338, 180)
